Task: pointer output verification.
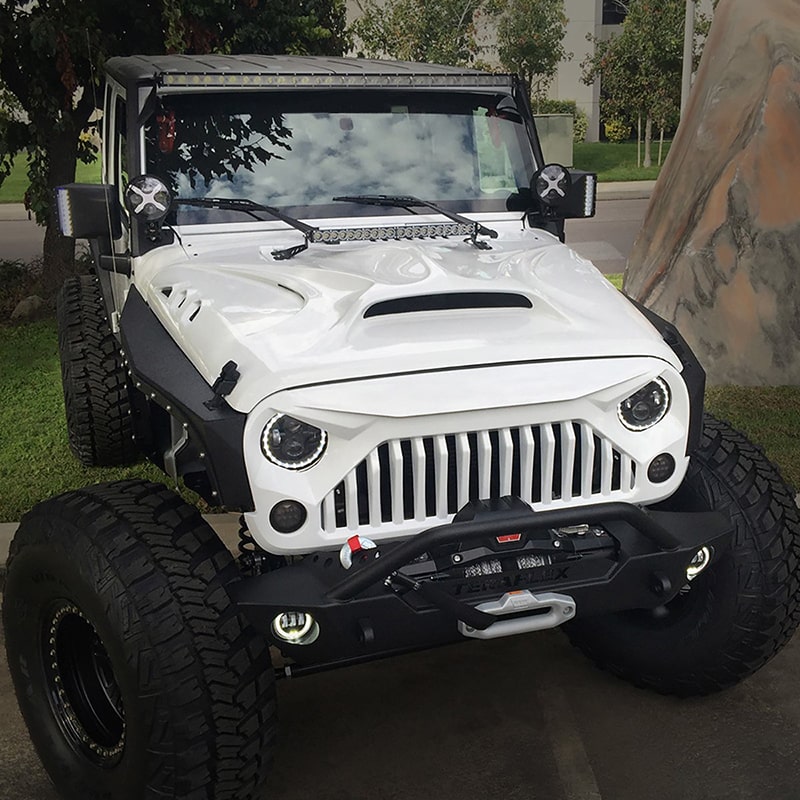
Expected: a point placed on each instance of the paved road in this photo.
(606, 239)
(20, 238)
(525, 718)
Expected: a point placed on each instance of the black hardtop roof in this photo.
(138, 69)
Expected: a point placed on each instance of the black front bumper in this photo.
(425, 591)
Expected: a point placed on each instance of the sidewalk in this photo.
(13, 212)
(625, 190)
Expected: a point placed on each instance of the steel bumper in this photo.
(459, 579)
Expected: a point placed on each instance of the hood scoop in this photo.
(450, 301)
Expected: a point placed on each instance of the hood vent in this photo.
(452, 301)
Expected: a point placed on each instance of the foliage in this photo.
(51, 56)
(617, 130)
(16, 282)
(580, 126)
(640, 69)
(530, 39)
(442, 32)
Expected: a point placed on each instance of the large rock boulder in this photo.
(719, 253)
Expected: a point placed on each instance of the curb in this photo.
(625, 190)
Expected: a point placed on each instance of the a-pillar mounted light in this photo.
(148, 198)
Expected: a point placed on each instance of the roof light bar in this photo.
(299, 81)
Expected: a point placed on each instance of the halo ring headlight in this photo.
(646, 406)
(291, 443)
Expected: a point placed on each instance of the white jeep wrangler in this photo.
(333, 295)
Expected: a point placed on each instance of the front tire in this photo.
(737, 614)
(134, 672)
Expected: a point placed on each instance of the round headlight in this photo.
(645, 408)
(292, 444)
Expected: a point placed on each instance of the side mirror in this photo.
(88, 210)
(565, 194)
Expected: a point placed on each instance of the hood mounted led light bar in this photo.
(376, 234)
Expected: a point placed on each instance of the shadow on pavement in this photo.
(525, 718)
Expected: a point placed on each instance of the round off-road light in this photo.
(645, 407)
(295, 627)
(552, 183)
(292, 444)
(661, 468)
(287, 516)
(700, 560)
(148, 198)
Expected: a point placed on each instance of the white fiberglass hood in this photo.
(301, 321)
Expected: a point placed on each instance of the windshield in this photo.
(298, 150)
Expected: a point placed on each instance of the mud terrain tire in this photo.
(96, 388)
(134, 672)
(737, 614)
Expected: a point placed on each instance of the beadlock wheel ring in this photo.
(84, 694)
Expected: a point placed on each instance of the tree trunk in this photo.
(661, 146)
(639, 140)
(648, 139)
(719, 249)
(58, 252)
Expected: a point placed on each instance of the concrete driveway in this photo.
(525, 718)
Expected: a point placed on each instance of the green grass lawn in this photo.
(35, 460)
(615, 162)
(12, 190)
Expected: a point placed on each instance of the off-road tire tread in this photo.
(211, 676)
(737, 477)
(96, 388)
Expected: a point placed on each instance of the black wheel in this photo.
(96, 388)
(738, 613)
(135, 674)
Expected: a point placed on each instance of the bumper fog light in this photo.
(700, 560)
(661, 468)
(287, 516)
(295, 627)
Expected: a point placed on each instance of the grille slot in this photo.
(429, 478)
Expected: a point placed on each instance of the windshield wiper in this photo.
(249, 207)
(407, 202)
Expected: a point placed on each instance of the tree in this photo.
(51, 56)
(640, 69)
(441, 32)
(530, 39)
